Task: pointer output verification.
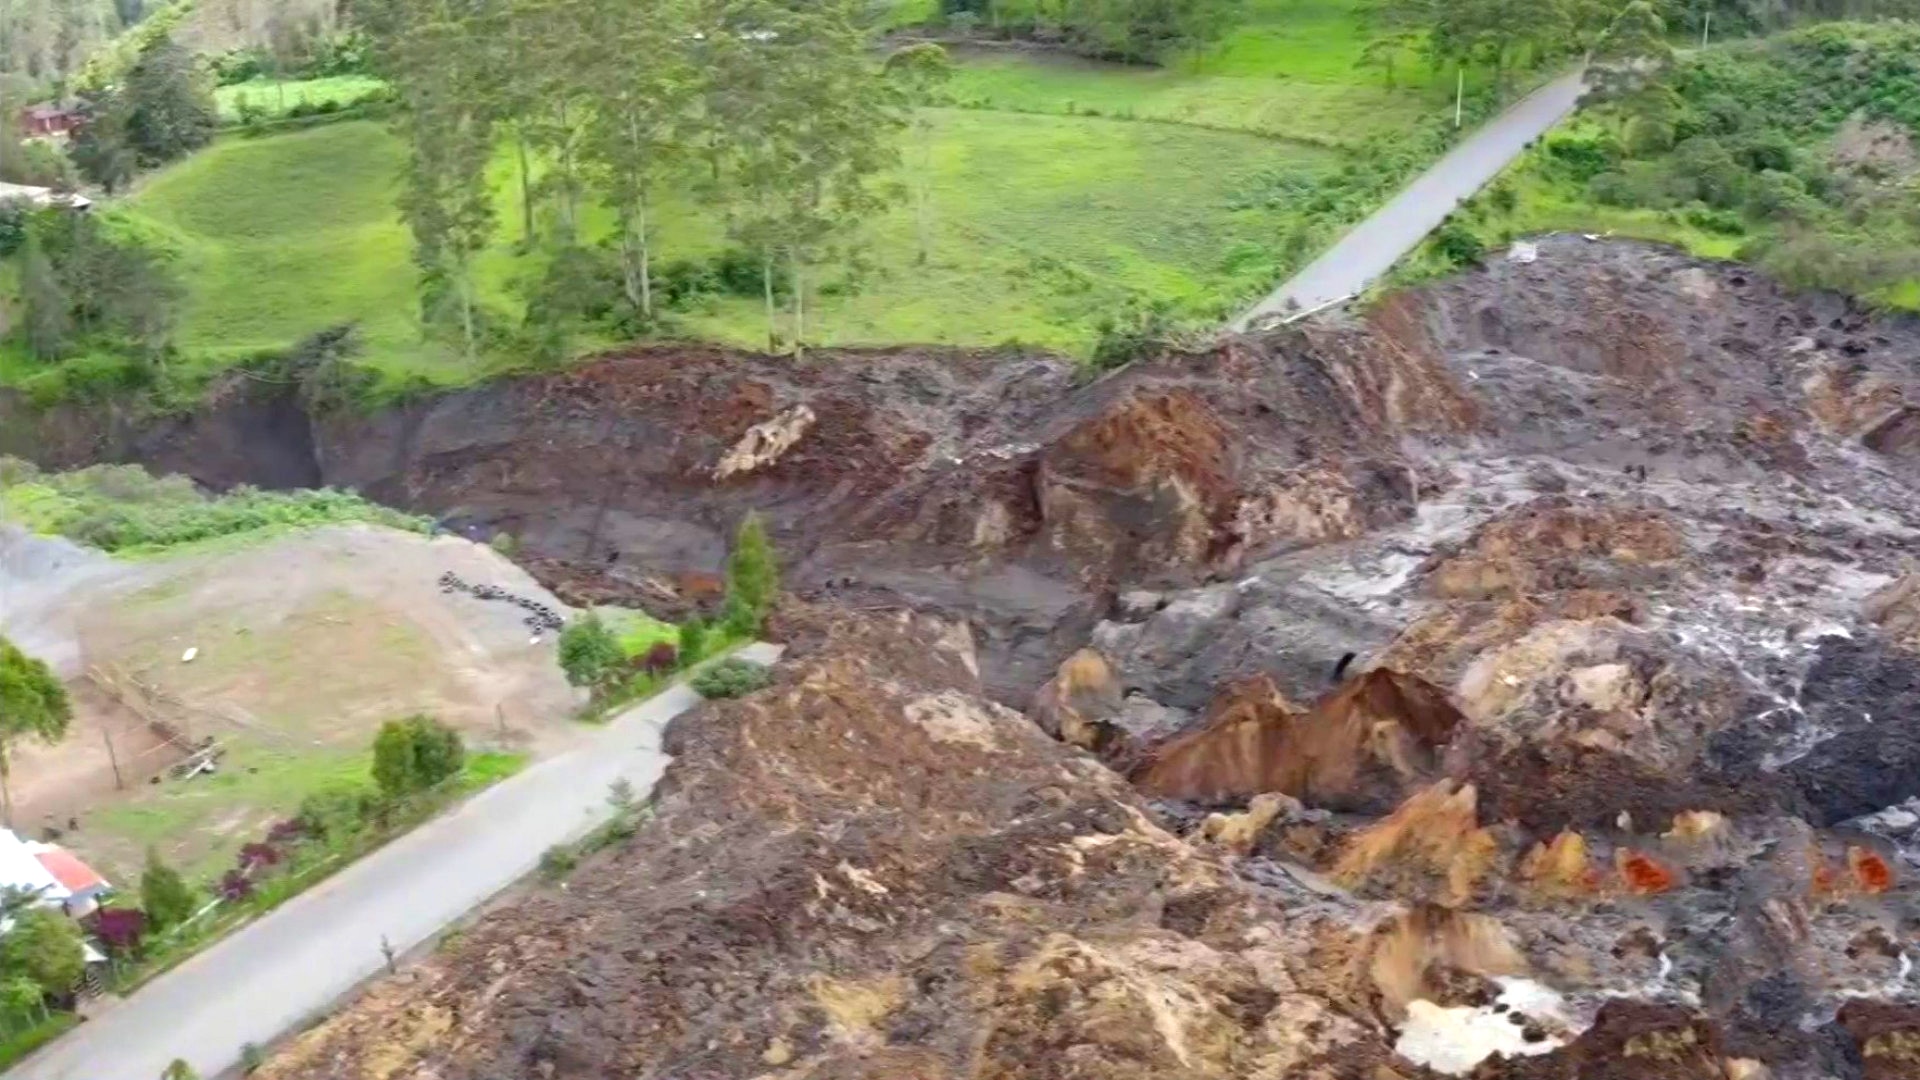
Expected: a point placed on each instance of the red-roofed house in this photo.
(84, 885)
(50, 121)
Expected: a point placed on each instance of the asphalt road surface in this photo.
(296, 963)
(1370, 250)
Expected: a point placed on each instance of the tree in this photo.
(646, 88)
(393, 759)
(799, 123)
(169, 106)
(164, 895)
(415, 754)
(44, 946)
(753, 578)
(693, 640)
(100, 149)
(589, 652)
(120, 929)
(437, 56)
(1393, 28)
(33, 705)
(46, 310)
(179, 1070)
(920, 70)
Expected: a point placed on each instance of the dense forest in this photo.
(44, 40)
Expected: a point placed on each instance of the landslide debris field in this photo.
(1619, 775)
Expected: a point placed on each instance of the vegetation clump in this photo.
(123, 508)
(731, 679)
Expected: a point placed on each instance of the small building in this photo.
(49, 121)
(43, 198)
(55, 876)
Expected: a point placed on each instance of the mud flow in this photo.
(1519, 679)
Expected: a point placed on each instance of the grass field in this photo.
(1044, 223)
(1064, 191)
(1292, 71)
(277, 99)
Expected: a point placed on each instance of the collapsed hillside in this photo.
(1529, 666)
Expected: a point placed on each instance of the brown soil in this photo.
(1611, 540)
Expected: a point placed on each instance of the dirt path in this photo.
(1364, 255)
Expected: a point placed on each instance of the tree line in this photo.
(772, 111)
(1131, 30)
(1505, 35)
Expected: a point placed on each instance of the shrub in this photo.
(335, 813)
(120, 929)
(558, 861)
(1458, 244)
(13, 225)
(234, 887)
(731, 679)
(590, 653)
(164, 896)
(661, 659)
(1142, 331)
(415, 754)
(179, 1070)
(503, 543)
(251, 1058)
(693, 640)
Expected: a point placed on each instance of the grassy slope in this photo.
(1291, 72)
(1045, 221)
(1547, 199)
(268, 96)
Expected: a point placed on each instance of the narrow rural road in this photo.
(1371, 249)
(283, 970)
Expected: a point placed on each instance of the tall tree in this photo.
(438, 56)
(33, 705)
(753, 578)
(813, 127)
(169, 103)
(920, 71)
(164, 895)
(646, 89)
(44, 945)
(48, 313)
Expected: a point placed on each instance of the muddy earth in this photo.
(1519, 680)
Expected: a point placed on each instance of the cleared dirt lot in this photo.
(304, 644)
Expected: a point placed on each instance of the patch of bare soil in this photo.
(301, 646)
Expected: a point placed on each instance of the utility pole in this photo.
(1706, 26)
(106, 732)
(1460, 98)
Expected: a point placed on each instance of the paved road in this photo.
(298, 961)
(1371, 249)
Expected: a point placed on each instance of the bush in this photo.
(415, 754)
(251, 1058)
(13, 225)
(333, 814)
(731, 679)
(693, 640)
(590, 654)
(1143, 331)
(661, 659)
(1458, 244)
(163, 894)
(504, 543)
(558, 861)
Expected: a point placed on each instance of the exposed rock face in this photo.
(869, 870)
(1359, 748)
